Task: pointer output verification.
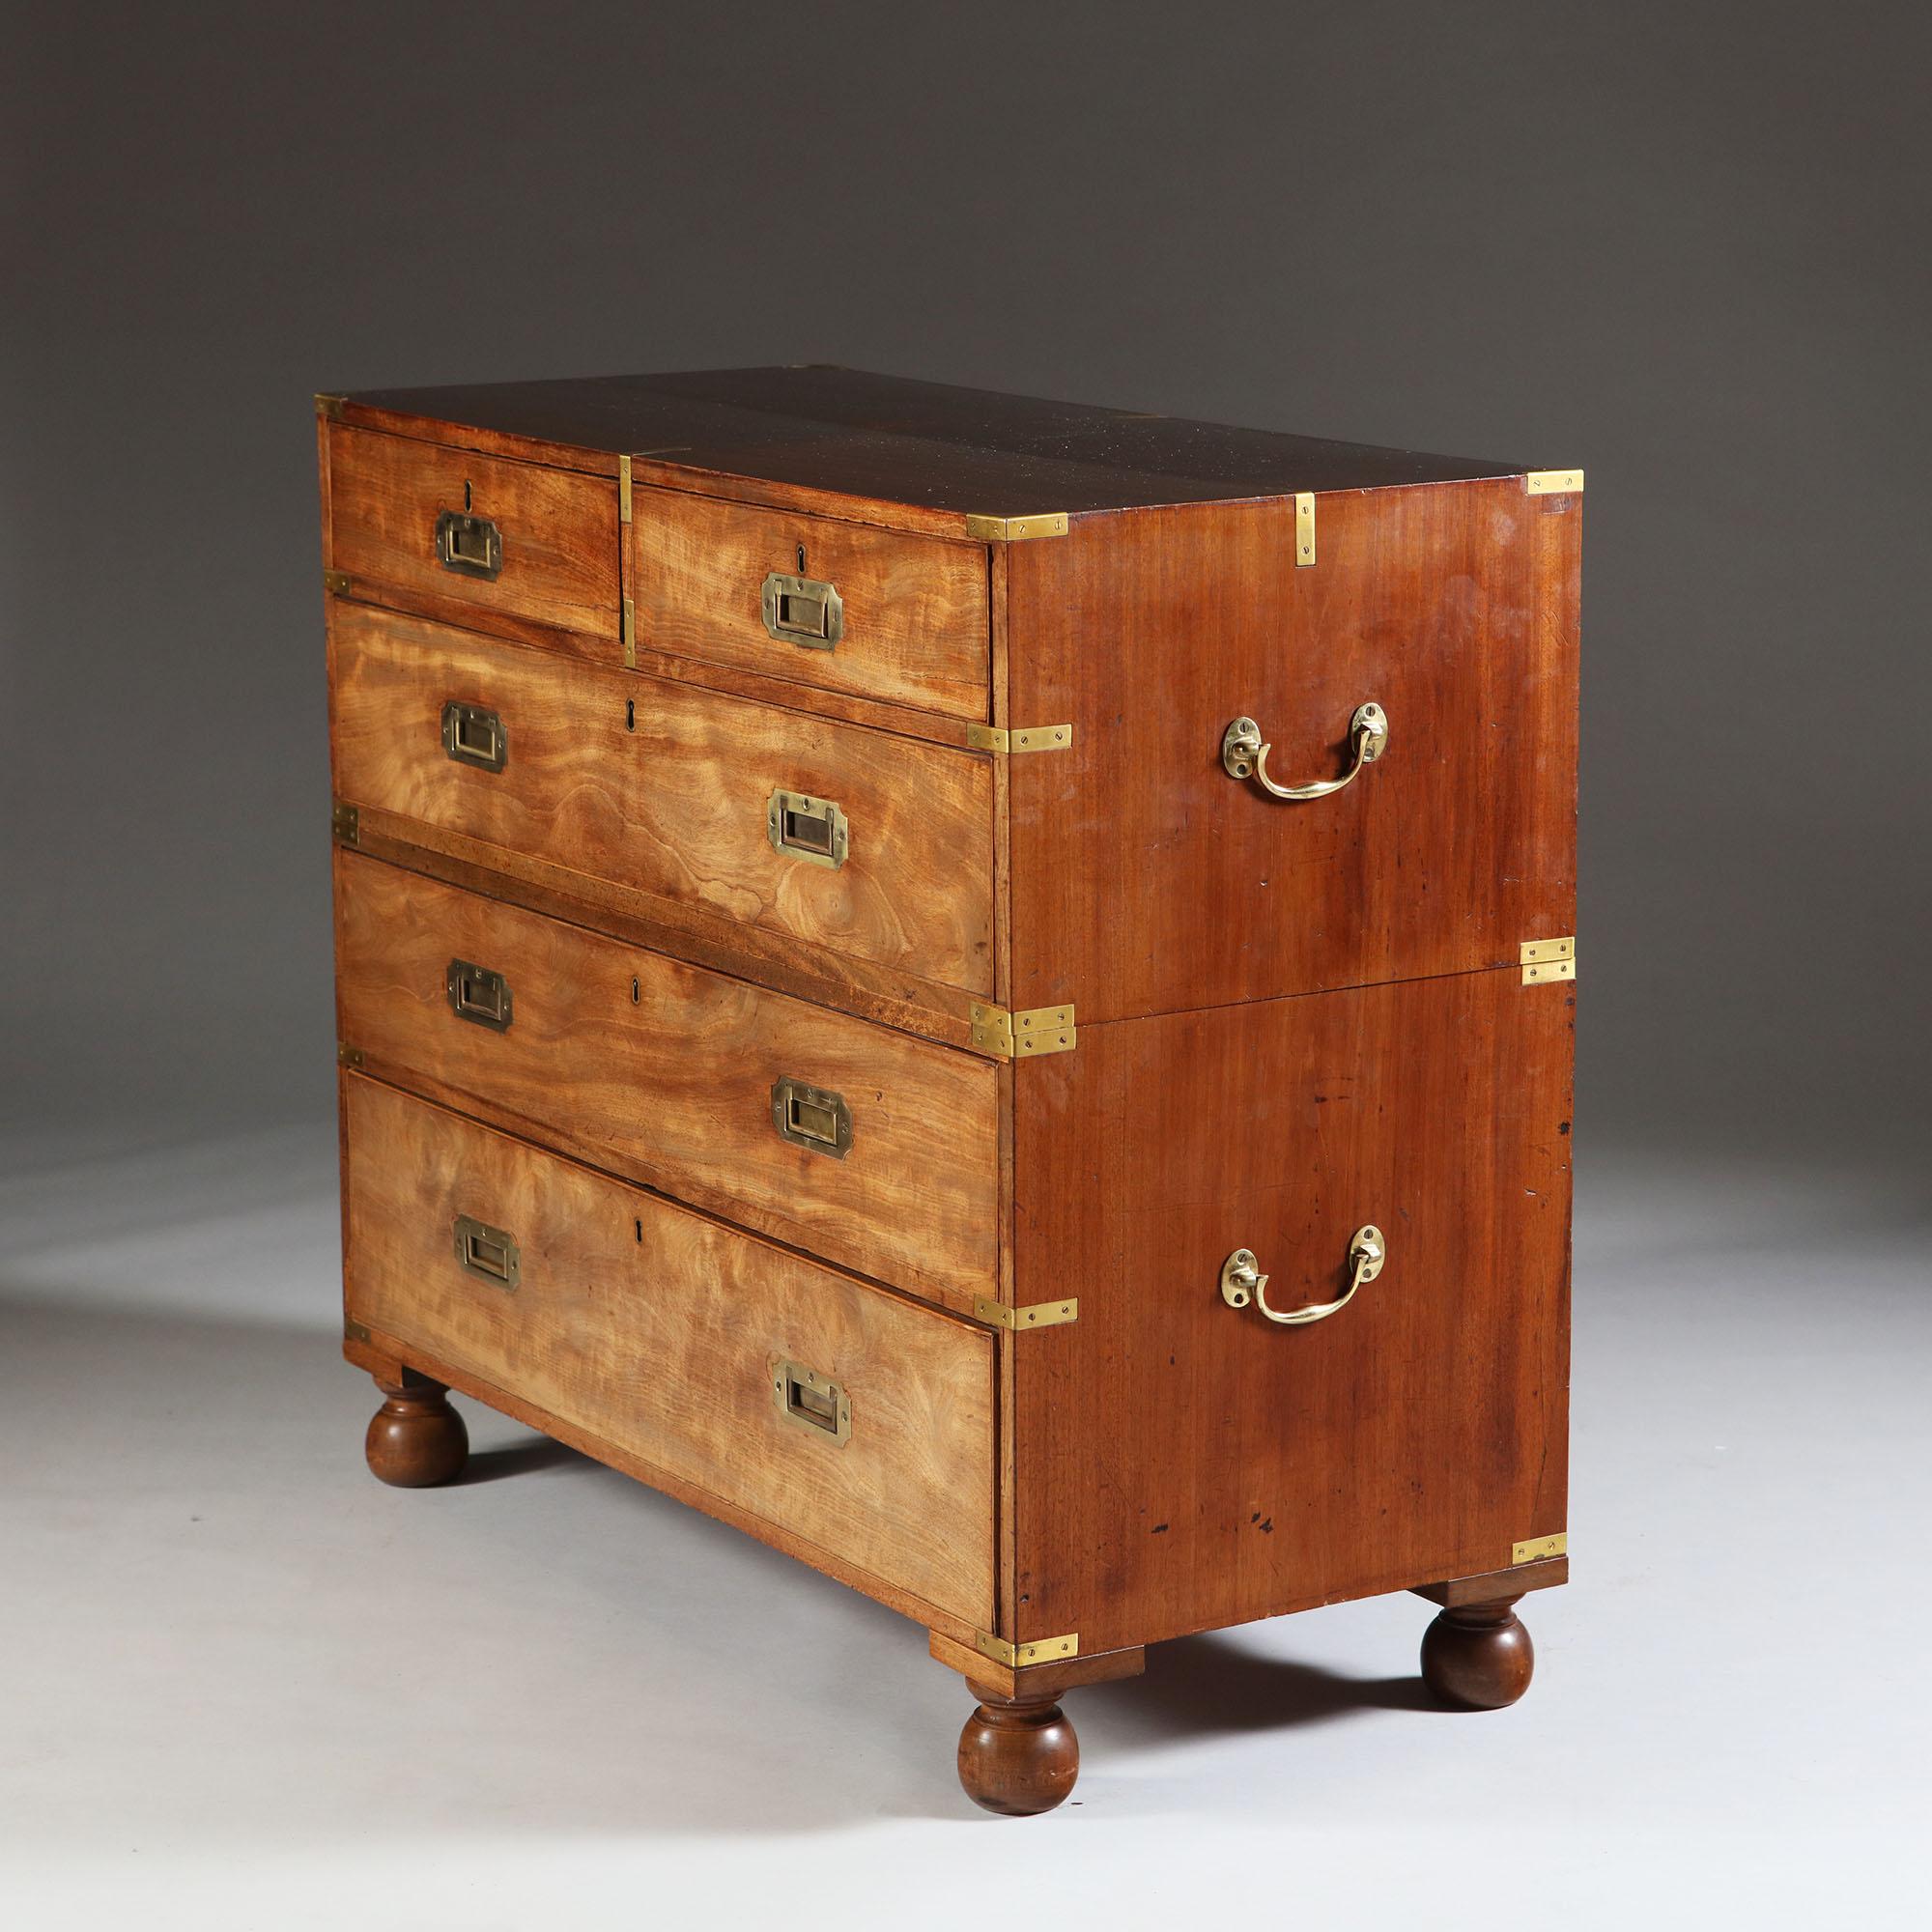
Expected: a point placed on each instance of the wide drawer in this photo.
(846, 840)
(860, 1144)
(865, 612)
(850, 1420)
(416, 523)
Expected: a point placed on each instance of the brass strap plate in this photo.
(1020, 1035)
(1017, 1656)
(1016, 529)
(1546, 959)
(1036, 1315)
(1034, 738)
(1304, 530)
(1540, 1546)
(1554, 483)
(623, 489)
(630, 635)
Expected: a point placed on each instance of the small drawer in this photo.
(847, 1418)
(851, 842)
(875, 1150)
(421, 525)
(846, 606)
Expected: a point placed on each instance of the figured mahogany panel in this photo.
(1181, 1465)
(664, 787)
(665, 1072)
(559, 531)
(1147, 879)
(914, 609)
(662, 1332)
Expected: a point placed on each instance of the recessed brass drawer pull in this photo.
(475, 993)
(489, 1252)
(800, 611)
(809, 1117)
(470, 546)
(812, 1401)
(1243, 1282)
(474, 737)
(812, 829)
(1245, 756)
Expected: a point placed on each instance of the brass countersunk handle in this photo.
(1245, 755)
(1242, 1281)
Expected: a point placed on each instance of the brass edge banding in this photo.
(1017, 1656)
(1036, 1315)
(1546, 959)
(1538, 1547)
(1554, 483)
(1034, 738)
(1304, 528)
(623, 489)
(1016, 529)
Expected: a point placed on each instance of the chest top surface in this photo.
(928, 444)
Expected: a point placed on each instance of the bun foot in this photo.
(1017, 1757)
(416, 1439)
(1478, 1656)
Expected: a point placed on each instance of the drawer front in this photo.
(669, 1336)
(442, 524)
(875, 1150)
(840, 606)
(1416, 1433)
(672, 790)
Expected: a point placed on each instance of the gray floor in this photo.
(249, 1687)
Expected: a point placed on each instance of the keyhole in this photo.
(641, 1232)
(465, 492)
(630, 714)
(637, 996)
(801, 559)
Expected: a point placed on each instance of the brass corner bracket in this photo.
(1554, 483)
(1017, 1656)
(1034, 738)
(1546, 959)
(344, 821)
(1538, 1547)
(329, 407)
(347, 1055)
(1036, 1315)
(1021, 1036)
(1016, 529)
(335, 583)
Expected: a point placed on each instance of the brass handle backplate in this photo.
(809, 1117)
(489, 1252)
(474, 737)
(812, 1401)
(470, 546)
(1242, 1281)
(812, 829)
(1245, 755)
(475, 993)
(801, 611)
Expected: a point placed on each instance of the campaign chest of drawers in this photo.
(982, 989)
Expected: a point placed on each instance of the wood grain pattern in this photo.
(663, 1072)
(559, 529)
(915, 609)
(673, 801)
(1250, 1468)
(1146, 879)
(656, 1328)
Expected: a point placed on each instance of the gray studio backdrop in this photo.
(1682, 245)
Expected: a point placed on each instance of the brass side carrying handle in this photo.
(1245, 755)
(802, 611)
(1242, 1281)
(469, 546)
(475, 736)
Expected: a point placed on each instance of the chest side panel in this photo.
(1182, 1464)
(1147, 878)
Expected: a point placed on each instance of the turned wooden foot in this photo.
(1478, 1656)
(1017, 1757)
(416, 1439)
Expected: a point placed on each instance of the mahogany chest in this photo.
(980, 988)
